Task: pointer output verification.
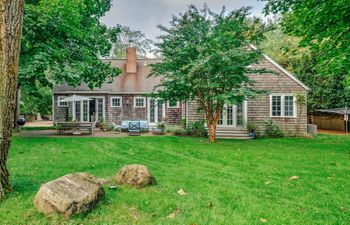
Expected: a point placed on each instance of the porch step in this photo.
(232, 133)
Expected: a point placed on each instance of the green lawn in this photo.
(229, 182)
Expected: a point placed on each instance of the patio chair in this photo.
(134, 128)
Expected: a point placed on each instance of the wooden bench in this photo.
(75, 127)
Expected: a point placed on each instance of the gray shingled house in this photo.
(125, 99)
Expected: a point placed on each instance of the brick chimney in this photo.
(131, 66)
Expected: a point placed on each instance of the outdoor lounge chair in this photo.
(134, 128)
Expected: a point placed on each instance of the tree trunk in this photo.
(212, 122)
(11, 21)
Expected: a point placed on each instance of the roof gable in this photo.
(283, 69)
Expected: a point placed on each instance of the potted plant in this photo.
(252, 128)
(160, 128)
(102, 125)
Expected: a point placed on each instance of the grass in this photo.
(36, 128)
(229, 182)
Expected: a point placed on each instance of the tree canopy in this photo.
(143, 44)
(325, 91)
(323, 26)
(63, 41)
(206, 57)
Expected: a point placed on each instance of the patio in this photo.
(53, 133)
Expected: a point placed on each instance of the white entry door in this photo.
(156, 111)
(232, 116)
(81, 111)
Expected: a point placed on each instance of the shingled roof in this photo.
(124, 83)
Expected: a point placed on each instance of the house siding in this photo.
(258, 109)
(118, 114)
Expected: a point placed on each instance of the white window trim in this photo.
(120, 100)
(59, 103)
(283, 105)
(173, 107)
(144, 102)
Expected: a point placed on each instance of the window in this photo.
(116, 102)
(288, 105)
(229, 115)
(173, 104)
(139, 102)
(240, 119)
(282, 105)
(276, 105)
(62, 104)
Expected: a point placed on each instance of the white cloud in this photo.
(145, 15)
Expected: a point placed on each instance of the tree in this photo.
(206, 58)
(41, 102)
(143, 44)
(11, 17)
(63, 41)
(323, 26)
(325, 91)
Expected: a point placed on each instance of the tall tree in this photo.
(323, 26)
(325, 91)
(206, 58)
(63, 41)
(125, 36)
(11, 19)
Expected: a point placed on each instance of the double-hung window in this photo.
(139, 102)
(62, 104)
(116, 101)
(282, 105)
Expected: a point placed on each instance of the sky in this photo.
(145, 15)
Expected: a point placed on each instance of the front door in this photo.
(156, 111)
(232, 116)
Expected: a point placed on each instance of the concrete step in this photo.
(237, 138)
(232, 131)
(232, 128)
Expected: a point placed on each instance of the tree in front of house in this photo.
(206, 58)
(11, 17)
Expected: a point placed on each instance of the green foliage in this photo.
(143, 44)
(63, 42)
(273, 130)
(196, 129)
(161, 125)
(323, 26)
(300, 99)
(326, 91)
(206, 57)
(36, 102)
(251, 126)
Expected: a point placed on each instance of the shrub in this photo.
(273, 130)
(161, 125)
(173, 128)
(196, 129)
(251, 126)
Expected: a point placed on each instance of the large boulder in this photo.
(135, 175)
(68, 195)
